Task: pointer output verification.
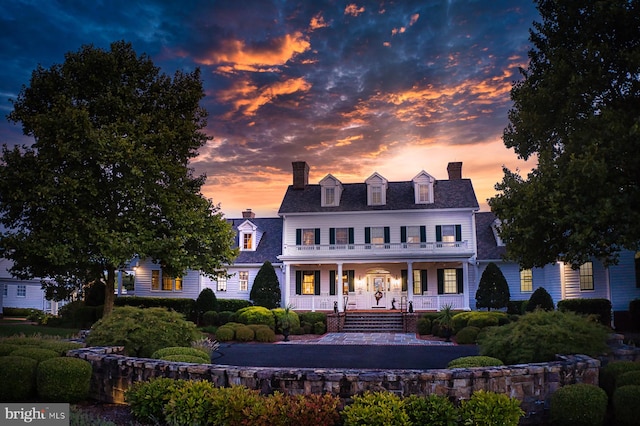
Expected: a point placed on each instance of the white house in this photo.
(18, 293)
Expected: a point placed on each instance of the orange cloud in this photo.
(317, 22)
(414, 19)
(353, 10)
(239, 56)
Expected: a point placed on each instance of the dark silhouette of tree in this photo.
(266, 288)
(540, 299)
(493, 290)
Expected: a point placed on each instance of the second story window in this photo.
(423, 193)
(376, 195)
(448, 233)
(308, 237)
(222, 283)
(330, 196)
(243, 281)
(247, 241)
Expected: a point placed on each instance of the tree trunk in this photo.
(109, 290)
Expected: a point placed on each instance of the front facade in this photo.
(378, 245)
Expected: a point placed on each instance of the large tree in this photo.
(577, 109)
(107, 177)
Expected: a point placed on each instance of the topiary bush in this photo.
(181, 350)
(210, 318)
(626, 409)
(467, 336)
(493, 289)
(319, 328)
(256, 315)
(244, 334)
(578, 404)
(474, 361)
(265, 334)
(225, 334)
(628, 378)
(225, 317)
(142, 331)
(424, 326)
(538, 336)
(38, 354)
(434, 410)
(489, 408)
(609, 374)
(376, 408)
(63, 379)
(18, 378)
(265, 290)
(206, 301)
(540, 299)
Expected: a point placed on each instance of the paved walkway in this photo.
(403, 339)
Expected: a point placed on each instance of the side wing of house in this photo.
(151, 282)
(16, 293)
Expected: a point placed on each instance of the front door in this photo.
(378, 292)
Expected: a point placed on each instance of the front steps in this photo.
(373, 322)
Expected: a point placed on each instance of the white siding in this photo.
(572, 283)
(622, 277)
(190, 283)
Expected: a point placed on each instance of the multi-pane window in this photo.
(526, 280)
(155, 280)
(342, 236)
(330, 196)
(376, 195)
(450, 281)
(221, 282)
(308, 282)
(448, 233)
(586, 276)
(417, 282)
(165, 282)
(413, 234)
(423, 193)
(377, 235)
(22, 290)
(243, 281)
(247, 241)
(308, 237)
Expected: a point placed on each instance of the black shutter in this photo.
(423, 281)
(351, 239)
(439, 233)
(460, 280)
(367, 235)
(423, 234)
(351, 274)
(317, 241)
(316, 282)
(458, 232)
(387, 235)
(298, 237)
(332, 235)
(404, 274)
(332, 283)
(298, 282)
(440, 281)
(403, 234)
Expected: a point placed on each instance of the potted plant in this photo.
(445, 319)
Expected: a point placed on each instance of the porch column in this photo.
(339, 289)
(465, 284)
(287, 283)
(410, 284)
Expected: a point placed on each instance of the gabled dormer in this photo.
(376, 190)
(331, 189)
(248, 236)
(423, 188)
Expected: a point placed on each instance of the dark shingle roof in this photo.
(447, 194)
(270, 245)
(488, 248)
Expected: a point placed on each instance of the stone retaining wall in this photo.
(532, 384)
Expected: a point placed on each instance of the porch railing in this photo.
(345, 250)
(420, 303)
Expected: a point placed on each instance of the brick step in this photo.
(373, 322)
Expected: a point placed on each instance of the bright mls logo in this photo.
(49, 414)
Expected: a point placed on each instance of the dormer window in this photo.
(331, 191)
(423, 188)
(376, 190)
(247, 241)
(248, 236)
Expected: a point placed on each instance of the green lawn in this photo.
(11, 326)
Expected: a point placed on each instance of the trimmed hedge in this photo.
(181, 350)
(601, 308)
(225, 333)
(609, 374)
(232, 305)
(38, 354)
(256, 315)
(433, 410)
(64, 379)
(18, 378)
(468, 335)
(376, 408)
(578, 404)
(186, 307)
(625, 405)
(474, 361)
(185, 358)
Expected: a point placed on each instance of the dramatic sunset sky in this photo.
(352, 88)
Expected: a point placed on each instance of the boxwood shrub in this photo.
(265, 334)
(186, 307)
(376, 408)
(7, 348)
(181, 350)
(625, 405)
(63, 379)
(609, 374)
(210, 318)
(313, 317)
(578, 404)
(433, 410)
(489, 408)
(38, 354)
(225, 334)
(244, 334)
(185, 358)
(468, 335)
(225, 317)
(256, 315)
(424, 326)
(147, 399)
(474, 361)
(628, 378)
(18, 378)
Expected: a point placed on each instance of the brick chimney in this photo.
(455, 170)
(300, 174)
(248, 214)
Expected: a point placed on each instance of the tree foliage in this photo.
(493, 289)
(108, 175)
(577, 109)
(266, 287)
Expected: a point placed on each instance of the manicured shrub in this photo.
(297, 331)
(599, 308)
(225, 317)
(244, 334)
(59, 346)
(7, 348)
(538, 336)
(256, 315)
(185, 358)
(266, 287)
(312, 410)
(232, 305)
(63, 379)
(186, 307)
(579, 404)
(483, 322)
(424, 326)
(434, 410)
(628, 378)
(516, 307)
(376, 408)
(626, 409)
(190, 404)
(312, 317)
(480, 319)
(493, 289)
(319, 328)
(38, 354)
(147, 399)
(181, 350)
(142, 331)
(489, 408)
(265, 334)
(467, 336)
(18, 378)
(225, 334)
(205, 302)
(540, 299)
(609, 374)
(210, 318)
(294, 319)
(474, 361)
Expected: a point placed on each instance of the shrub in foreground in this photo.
(376, 408)
(578, 404)
(467, 335)
(181, 350)
(628, 378)
(538, 336)
(488, 408)
(625, 405)
(35, 353)
(474, 361)
(63, 379)
(18, 378)
(610, 372)
(142, 331)
(433, 410)
(147, 399)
